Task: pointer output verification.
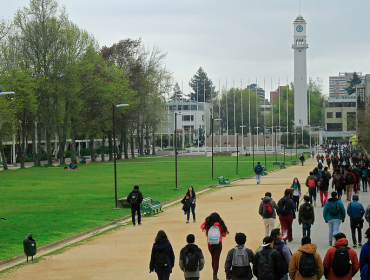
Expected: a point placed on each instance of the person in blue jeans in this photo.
(306, 216)
(334, 213)
(258, 170)
(356, 211)
(191, 196)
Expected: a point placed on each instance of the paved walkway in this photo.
(125, 252)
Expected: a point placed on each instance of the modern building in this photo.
(363, 110)
(274, 95)
(338, 84)
(300, 72)
(260, 91)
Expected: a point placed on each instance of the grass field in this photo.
(52, 203)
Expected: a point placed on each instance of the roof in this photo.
(299, 19)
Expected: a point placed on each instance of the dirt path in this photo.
(125, 253)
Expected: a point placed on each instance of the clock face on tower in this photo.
(299, 28)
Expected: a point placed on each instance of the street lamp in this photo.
(212, 142)
(114, 152)
(179, 113)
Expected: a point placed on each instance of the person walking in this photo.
(190, 199)
(258, 170)
(306, 216)
(320, 166)
(215, 229)
(267, 210)
(191, 259)
(350, 180)
(162, 258)
(302, 159)
(268, 264)
(338, 182)
(306, 262)
(135, 198)
(239, 259)
(340, 262)
(296, 188)
(324, 187)
(334, 213)
(286, 215)
(283, 249)
(358, 174)
(311, 183)
(365, 257)
(356, 211)
(365, 178)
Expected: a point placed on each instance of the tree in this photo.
(356, 80)
(202, 87)
(177, 92)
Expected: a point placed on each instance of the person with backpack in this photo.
(334, 213)
(191, 259)
(356, 211)
(135, 198)
(268, 264)
(328, 161)
(215, 229)
(320, 166)
(286, 215)
(365, 178)
(340, 262)
(162, 259)
(350, 180)
(358, 174)
(283, 249)
(324, 186)
(258, 170)
(267, 210)
(306, 216)
(239, 259)
(302, 159)
(306, 262)
(296, 188)
(317, 174)
(190, 199)
(311, 183)
(365, 258)
(338, 182)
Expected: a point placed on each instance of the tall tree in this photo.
(356, 80)
(202, 86)
(177, 92)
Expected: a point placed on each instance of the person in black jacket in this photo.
(277, 263)
(162, 259)
(324, 187)
(135, 198)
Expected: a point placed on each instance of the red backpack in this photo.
(267, 210)
(311, 183)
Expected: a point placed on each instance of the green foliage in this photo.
(85, 152)
(356, 80)
(202, 86)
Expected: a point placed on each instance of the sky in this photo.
(236, 40)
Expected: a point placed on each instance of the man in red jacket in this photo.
(335, 267)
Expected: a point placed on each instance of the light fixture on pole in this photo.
(179, 113)
(212, 142)
(114, 151)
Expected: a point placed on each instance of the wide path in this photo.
(125, 253)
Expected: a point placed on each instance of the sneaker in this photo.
(140, 224)
(360, 244)
(194, 221)
(330, 243)
(134, 224)
(290, 240)
(314, 203)
(354, 245)
(187, 222)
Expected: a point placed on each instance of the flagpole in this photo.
(241, 110)
(257, 112)
(249, 111)
(227, 120)
(234, 115)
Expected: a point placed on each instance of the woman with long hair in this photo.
(296, 188)
(191, 198)
(162, 259)
(215, 229)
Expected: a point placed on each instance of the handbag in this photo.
(356, 222)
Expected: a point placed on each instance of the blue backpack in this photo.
(258, 168)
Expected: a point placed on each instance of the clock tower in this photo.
(300, 72)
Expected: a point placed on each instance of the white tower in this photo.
(300, 72)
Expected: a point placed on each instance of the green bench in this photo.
(282, 165)
(223, 181)
(149, 206)
(294, 162)
(264, 171)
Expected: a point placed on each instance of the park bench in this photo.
(294, 162)
(282, 165)
(264, 171)
(223, 181)
(150, 206)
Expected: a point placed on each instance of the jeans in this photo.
(134, 209)
(349, 192)
(312, 194)
(364, 184)
(296, 202)
(192, 208)
(353, 230)
(215, 250)
(306, 229)
(163, 276)
(333, 228)
(258, 178)
(269, 225)
(322, 194)
(286, 226)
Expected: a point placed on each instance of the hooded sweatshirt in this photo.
(265, 200)
(162, 245)
(189, 274)
(295, 262)
(342, 212)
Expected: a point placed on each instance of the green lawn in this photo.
(52, 203)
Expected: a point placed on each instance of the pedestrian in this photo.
(268, 264)
(135, 198)
(311, 183)
(320, 166)
(267, 210)
(306, 262)
(324, 186)
(358, 174)
(340, 262)
(215, 229)
(286, 215)
(258, 170)
(191, 259)
(283, 249)
(313, 154)
(239, 259)
(301, 158)
(365, 257)
(356, 211)
(338, 182)
(367, 214)
(296, 188)
(365, 178)
(162, 259)
(334, 213)
(191, 197)
(350, 180)
(318, 157)
(317, 174)
(306, 216)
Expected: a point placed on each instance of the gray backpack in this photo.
(240, 262)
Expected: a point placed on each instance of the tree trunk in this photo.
(153, 142)
(110, 146)
(141, 141)
(48, 147)
(33, 139)
(120, 148)
(103, 149)
(73, 144)
(38, 146)
(147, 147)
(91, 144)
(125, 144)
(132, 145)
(3, 158)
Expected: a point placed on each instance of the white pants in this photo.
(269, 225)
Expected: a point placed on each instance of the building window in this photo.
(334, 126)
(338, 115)
(202, 117)
(187, 118)
(329, 115)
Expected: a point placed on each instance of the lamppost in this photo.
(212, 142)
(179, 113)
(114, 151)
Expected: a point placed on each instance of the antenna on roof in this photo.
(299, 7)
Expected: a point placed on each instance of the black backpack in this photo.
(341, 264)
(161, 258)
(349, 179)
(307, 211)
(307, 265)
(319, 166)
(265, 265)
(134, 197)
(284, 208)
(191, 259)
